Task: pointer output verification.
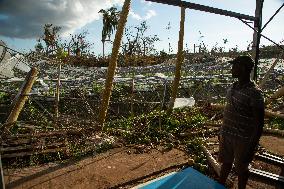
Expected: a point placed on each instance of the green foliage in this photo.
(194, 147)
(277, 123)
(110, 22)
(97, 87)
(4, 97)
(156, 126)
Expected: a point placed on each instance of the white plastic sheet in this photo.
(8, 64)
(184, 102)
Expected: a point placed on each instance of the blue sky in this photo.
(82, 16)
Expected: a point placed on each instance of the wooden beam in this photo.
(204, 8)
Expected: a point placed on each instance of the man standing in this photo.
(243, 122)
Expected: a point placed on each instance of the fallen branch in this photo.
(274, 132)
(214, 164)
(268, 113)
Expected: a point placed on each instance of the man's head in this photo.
(242, 66)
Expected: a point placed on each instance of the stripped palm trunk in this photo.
(180, 58)
(113, 63)
(279, 93)
(263, 81)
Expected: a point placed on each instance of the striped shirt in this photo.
(238, 114)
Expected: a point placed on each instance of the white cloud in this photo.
(146, 2)
(149, 14)
(25, 19)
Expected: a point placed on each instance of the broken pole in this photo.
(180, 57)
(256, 36)
(113, 63)
(21, 97)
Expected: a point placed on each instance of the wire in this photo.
(262, 35)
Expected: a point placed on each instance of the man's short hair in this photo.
(245, 60)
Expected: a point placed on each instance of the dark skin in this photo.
(240, 72)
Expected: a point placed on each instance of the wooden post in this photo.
(21, 97)
(132, 96)
(2, 181)
(256, 36)
(113, 62)
(57, 93)
(180, 57)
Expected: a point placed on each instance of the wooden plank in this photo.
(46, 134)
(29, 147)
(204, 8)
(33, 153)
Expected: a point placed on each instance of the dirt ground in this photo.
(117, 167)
(107, 170)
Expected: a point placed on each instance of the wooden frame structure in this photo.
(257, 19)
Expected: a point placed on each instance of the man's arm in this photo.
(258, 117)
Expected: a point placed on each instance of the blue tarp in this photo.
(188, 178)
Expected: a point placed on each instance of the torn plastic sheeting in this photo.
(7, 66)
(184, 102)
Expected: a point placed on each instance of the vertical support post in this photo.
(21, 97)
(132, 97)
(256, 36)
(57, 93)
(113, 63)
(180, 58)
(2, 181)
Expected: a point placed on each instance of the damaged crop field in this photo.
(137, 120)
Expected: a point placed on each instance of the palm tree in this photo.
(110, 22)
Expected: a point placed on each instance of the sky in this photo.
(22, 21)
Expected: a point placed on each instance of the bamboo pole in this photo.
(113, 63)
(261, 85)
(132, 97)
(21, 97)
(180, 57)
(57, 94)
